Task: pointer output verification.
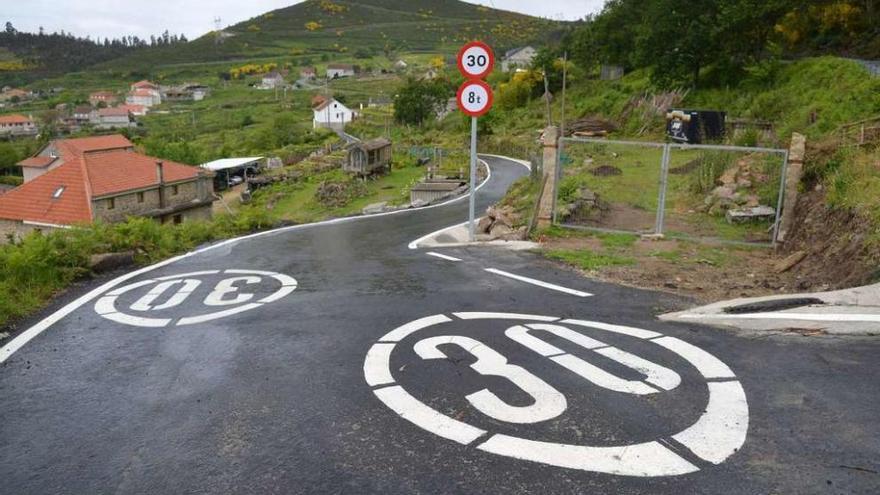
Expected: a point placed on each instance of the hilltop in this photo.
(353, 28)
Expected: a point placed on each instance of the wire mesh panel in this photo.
(723, 193)
(717, 192)
(609, 185)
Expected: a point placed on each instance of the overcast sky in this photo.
(114, 18)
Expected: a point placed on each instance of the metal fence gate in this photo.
(701, 192)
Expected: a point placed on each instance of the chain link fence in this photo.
(700, 192)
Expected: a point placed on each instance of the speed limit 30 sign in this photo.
(476, 60)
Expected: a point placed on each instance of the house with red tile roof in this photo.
(84, 180)
(308, 73)
(15, 94)
(144, 84)
(144, 97)
(136, 110)
(106, 97)
(17, 125)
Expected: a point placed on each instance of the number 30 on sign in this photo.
(476, 60)
(475, 98)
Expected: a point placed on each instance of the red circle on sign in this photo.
(463, 106)
(489, 53)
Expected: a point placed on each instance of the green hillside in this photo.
(331, 27)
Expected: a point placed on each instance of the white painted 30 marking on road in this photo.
(227, 293)
(716, 435)
(32, 332)
(539, 283)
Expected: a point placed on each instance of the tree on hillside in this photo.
(418, 101)
(682, 40)
(610, 37)
(548, 62)
(678, 40)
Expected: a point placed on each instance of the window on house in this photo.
(111, 203)
(174, 190)
(58, 192)
(141, 197)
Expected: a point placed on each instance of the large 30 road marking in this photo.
(718, 433)
(228, 293)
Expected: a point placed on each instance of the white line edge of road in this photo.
(415, 244)
(539, 283)
(838, 317)
(23, 338)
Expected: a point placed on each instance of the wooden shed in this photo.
(369, 157)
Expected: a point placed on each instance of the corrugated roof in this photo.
(229, 163)
(373, 144)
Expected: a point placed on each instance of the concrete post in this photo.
(550, 164)
(793, 175)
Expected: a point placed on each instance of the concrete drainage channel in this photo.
(853, 311)
(773, 305)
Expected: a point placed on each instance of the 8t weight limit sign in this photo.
(475, 98)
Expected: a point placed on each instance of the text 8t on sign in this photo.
(475, 98)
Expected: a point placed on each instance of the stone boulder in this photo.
(106, 262)
(586, 205)
(374, 208)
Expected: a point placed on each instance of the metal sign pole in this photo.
(471, 225)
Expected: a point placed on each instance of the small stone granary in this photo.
(368, 157)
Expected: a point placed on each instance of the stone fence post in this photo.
(550, 164)
(793, 175)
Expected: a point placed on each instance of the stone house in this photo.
(17, 125)
(272, 80)
(81, 113)
(80, 181)
(112, 118)
(308, 73)
(11, 94)
(185, 92)
(335, 71)
(518, 58)
(144, 97)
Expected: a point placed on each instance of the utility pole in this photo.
(547, 99)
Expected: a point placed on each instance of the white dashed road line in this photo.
(443, 256)
(539, 283)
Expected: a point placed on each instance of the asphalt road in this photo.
(249, 382)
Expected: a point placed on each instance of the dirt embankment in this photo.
(840, 252)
